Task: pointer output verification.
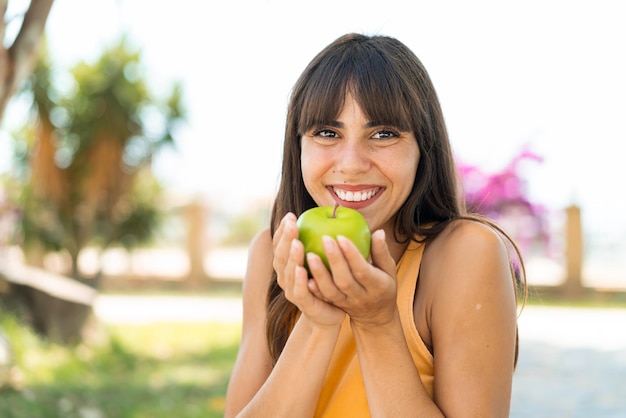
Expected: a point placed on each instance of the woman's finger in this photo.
(381, 256)
(286, 232)
(323, 285)
(347, 266)
(294, 259)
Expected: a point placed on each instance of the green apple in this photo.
(316, 222)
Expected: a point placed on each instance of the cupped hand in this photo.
(365, 291)
(293, 278)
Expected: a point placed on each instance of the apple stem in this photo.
(335, 210)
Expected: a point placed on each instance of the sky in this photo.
(547, 74)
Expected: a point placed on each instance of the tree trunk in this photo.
(17, 59)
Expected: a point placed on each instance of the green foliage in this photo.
(157, 370)
(135, 214)
(84, 164)
(40, 222)
(112, 97)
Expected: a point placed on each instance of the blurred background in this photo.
(140, 148)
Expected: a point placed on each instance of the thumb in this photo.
(381, 257)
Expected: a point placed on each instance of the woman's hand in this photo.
(366, 292)
(293, 277)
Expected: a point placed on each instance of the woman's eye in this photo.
(385, 134)
(325, 133)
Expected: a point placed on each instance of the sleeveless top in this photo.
(343, 391)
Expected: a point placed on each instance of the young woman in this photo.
(427, 325)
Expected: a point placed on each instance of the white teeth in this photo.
(354, 196)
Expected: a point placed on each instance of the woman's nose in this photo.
(352, 158)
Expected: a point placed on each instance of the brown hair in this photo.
(393, 88)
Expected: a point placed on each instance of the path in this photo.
(572, 364)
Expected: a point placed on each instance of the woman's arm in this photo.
(253, 364)
(292, 387)
(470, 310)
(392, 381)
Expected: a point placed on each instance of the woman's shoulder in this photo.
(466, 264)
(260, 256)
(469, 237)
(261, 242)
(466, 252)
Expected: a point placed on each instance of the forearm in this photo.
(392, 383)
(293, 387)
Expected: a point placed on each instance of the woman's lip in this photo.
(342, 190)
(354, 188)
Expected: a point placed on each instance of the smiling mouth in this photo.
(355, 196)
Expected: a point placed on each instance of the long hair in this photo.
(392, 87)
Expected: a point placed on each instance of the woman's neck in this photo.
(396, 248)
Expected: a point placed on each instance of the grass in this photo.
(586, 299)
(137, 371)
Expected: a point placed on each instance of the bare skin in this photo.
(464, 305)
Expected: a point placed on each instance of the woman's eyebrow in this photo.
(336, 124)
(369, 124)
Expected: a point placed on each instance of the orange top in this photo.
(343, 393)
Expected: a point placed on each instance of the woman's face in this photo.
(360, 164)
